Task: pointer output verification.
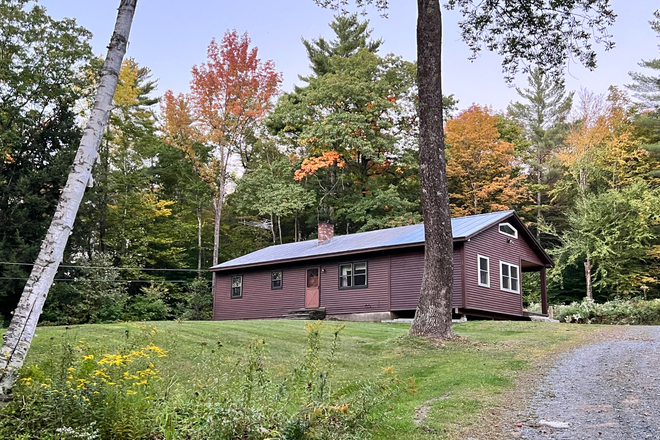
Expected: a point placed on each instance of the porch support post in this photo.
(544, 293)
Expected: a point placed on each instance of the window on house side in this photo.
(508, 230)
(352, 275)
(237, 286)
(276, 280)
(509, 277)
(484, 271)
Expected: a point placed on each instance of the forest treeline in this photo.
(186, 180)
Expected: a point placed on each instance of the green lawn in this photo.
(455, 381)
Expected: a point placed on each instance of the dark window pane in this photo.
(483, 264)
(508, 229)
(505, 282)
(276, 280)
(360, 280)
(505, 270)
(312, 277)
(484, 277)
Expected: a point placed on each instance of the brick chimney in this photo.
(326, 231)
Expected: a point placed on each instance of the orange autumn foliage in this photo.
(228, 94)
(480, 166)
(313, 164)
(233, 88)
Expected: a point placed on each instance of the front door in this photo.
(312, 290)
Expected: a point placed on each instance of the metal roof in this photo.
(462, 228)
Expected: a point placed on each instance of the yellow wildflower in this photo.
(130, 392)
(88, 357)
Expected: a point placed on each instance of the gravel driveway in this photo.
(606, 390)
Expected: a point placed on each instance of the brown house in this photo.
(378, 274)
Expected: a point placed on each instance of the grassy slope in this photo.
(455, 381)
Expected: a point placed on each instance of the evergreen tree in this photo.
(543, 116)
(647, 89)
(351, 36)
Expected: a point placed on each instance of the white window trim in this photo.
(479, 257)
(515, 235)
(502, 263)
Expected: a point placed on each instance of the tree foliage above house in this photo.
(342, 145)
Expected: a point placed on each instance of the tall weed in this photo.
(88, 392)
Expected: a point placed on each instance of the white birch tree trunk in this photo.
(199, 241)
(19, 336)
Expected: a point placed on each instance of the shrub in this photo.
(93, 295)
(619, 312)
(150, 304)
(200, 303)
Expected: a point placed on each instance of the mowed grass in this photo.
(448, 384)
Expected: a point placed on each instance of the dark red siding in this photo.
(394, 281)
(373, 298)
(258, 300)
(494, 245)
(407, 271)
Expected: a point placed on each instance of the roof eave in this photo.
(318, 257)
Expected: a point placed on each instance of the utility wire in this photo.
(107, 267)
(107, 281)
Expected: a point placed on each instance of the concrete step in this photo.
(310, 314)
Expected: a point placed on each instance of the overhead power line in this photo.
(106, 267)
(106, 281)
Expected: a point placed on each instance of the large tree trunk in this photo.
(433, 317)
(103, 216)
(19, 336)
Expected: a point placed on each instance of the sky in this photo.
(170, 36)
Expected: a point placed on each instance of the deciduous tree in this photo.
(229, 94)
(617, 231)
(481, 167)
(545, 33)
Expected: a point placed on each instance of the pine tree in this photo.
(543, 116)
(351, 36)
(646, 88)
